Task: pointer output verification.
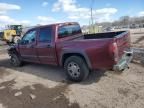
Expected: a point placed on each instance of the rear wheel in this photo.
(15, 60)
(76, 68)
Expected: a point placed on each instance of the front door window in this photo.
(30, 37)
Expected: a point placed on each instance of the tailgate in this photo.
(123, 42)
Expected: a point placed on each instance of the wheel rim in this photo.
(13, 60)
(74, 69)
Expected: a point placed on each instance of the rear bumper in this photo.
(124, 61)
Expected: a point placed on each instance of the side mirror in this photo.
(33, 40)
(23, 42)
(18, 41)
(26, 42)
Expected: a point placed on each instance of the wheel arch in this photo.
(12, 50)
(66, 55)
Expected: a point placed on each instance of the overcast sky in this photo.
(50, 11)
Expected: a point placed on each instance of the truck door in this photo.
(27, 46)
(46, 46)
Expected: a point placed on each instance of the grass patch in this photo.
(1, 46)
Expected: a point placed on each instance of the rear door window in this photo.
(45, 34)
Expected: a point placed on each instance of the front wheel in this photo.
(15, 60)
(76, 68)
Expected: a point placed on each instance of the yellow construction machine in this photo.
(12, 34)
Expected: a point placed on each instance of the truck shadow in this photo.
(94, 76)
(52, 73)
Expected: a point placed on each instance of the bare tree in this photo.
(124, 20)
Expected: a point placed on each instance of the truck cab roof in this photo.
(55, 24)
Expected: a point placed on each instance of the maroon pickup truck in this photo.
(63, 44)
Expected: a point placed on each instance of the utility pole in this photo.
(91, 18)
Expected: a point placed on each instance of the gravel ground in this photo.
(43, 86)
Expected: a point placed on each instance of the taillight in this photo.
(114, 51)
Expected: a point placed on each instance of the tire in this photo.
(76, 69)
(15, 61)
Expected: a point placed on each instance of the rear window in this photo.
(68, 30)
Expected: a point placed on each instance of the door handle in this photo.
(30, 46)
(48, 46)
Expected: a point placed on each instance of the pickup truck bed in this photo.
(103, 35)
(121, 38)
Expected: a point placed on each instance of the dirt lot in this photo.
(43, 86)
(138, 38)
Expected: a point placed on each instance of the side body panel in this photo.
(95, 52)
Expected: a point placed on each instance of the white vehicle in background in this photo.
(108, 29)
